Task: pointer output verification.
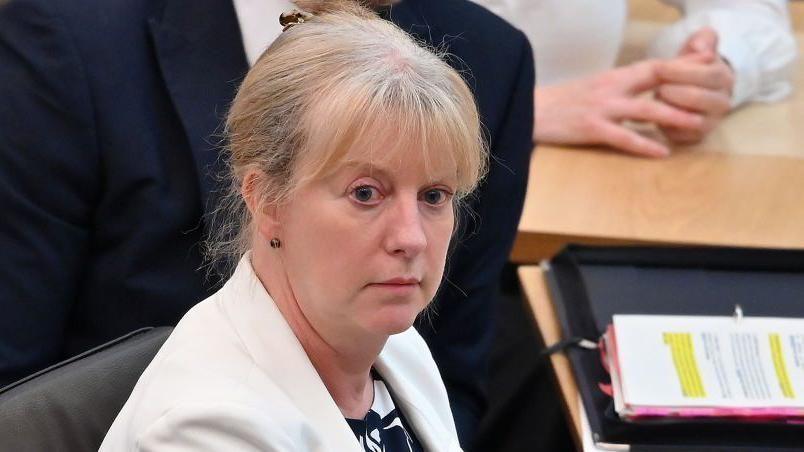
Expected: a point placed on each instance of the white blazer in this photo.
(233, 377)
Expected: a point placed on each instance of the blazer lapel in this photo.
(201, 57)
(275, 349)
(417, 408)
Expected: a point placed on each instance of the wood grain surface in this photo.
(742, 186)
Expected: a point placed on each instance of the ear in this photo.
(264, 215)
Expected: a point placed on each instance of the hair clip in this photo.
(293, 17)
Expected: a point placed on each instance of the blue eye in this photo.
(365, 194)
(435, 196)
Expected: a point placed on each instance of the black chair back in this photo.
(71, 405)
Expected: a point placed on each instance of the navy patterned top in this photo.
(384, 429)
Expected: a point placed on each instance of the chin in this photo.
(393, 320)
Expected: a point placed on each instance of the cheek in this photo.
(323, 246)
(332, 235)
(441, 235)
(438, 245)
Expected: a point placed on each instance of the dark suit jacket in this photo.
(110, 114)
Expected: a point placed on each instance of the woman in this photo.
(350, 150)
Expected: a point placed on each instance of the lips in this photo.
(401, 281)
(401, 285)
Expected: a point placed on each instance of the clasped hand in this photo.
(691, 94)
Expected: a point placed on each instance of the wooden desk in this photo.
(743, 186)
(538, 298)
(689, 199)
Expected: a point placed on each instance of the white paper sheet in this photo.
(686, 361)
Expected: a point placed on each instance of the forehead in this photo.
(386, 150)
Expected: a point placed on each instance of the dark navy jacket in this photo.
(110, 120)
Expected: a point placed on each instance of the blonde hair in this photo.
(322, 87)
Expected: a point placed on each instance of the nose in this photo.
(406, 235)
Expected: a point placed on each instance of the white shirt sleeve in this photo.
(754, 36)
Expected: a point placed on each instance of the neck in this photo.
(343, 361)
(348, 380)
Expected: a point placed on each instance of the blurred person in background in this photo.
(722, 54)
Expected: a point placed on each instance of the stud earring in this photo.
(275, 243)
